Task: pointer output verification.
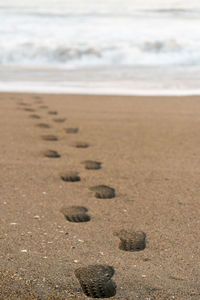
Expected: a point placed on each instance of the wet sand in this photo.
(147, 150)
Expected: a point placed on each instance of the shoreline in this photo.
(149, 153)
(76, 91)
(157, 81)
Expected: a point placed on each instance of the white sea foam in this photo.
(118, 34)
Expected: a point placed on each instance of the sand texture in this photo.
(148, 151)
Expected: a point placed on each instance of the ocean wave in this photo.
(97, 35)
(28, 53)
(174, 10)
(148, 14)
(97, 12)
(160, 46)
(150, 53)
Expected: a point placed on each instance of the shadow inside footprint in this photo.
(29, 109)
(43, 106)
(131, 240)
(70, 176)
(59, 120)
(51, 154)
(52, 112)
(95, 281)
(23, 104)
(92, 165)
(75, 214)
(103, 191)
(43, 125)
(49, 137)
(35, 116)
(71, 130)
(81, 145)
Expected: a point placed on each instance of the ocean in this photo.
(103, 46)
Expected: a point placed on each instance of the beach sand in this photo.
(149, 150)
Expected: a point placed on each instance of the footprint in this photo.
(103, 191)
(37, 97)
(131, 240)
(81, 145)
(38, 100)
(52, 112)
(92, 165)
(43, 125)
(49, 137)
(43, 106)
(70, 176)
(75, 214)
(95, 281)
(71, 130)
(35, 116)
(51, 153)
(59, 120)
(23, 104)
(29, 109)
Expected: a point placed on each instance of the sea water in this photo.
(102, 46)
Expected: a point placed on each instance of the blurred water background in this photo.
(112, 46)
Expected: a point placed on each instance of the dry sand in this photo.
(149, 148)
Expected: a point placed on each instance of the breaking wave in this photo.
(148, 53)
(62, 33)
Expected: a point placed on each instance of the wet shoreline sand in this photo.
(146, 148)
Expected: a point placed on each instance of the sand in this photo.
(149, 150)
